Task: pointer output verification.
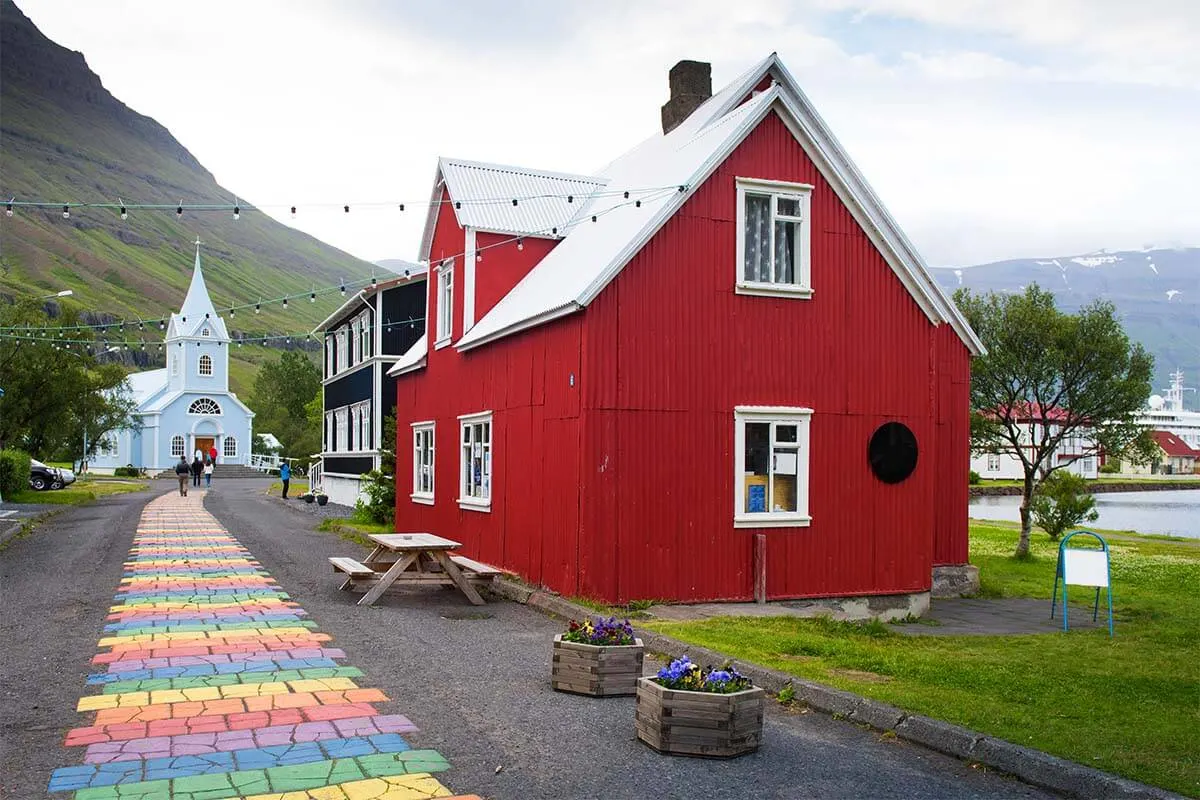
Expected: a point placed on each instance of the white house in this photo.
(185, 406)
(1078, 451)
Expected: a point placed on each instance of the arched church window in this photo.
(204, 405)
(206, 365)
(176, 446)
(204, 332)
(230, 447)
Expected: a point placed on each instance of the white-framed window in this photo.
(341, 430)
(204, 405)
(423, 459)
(352, 435)
(329, 431)
(330, 346)
(229, 447)
(205, 332)
(364, 426)
(445, 302)
(993, 462)
(176, 446)
(356, 341)
(107, 446)
(773, 238)
(475, 461)
(174, 365)
(204, 367)
(770, 476)
(1088, 466)
(364, 334)
(342, 350)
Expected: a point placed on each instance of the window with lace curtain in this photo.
(773, 238)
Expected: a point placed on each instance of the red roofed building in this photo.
(714, 370)
(1175, 457)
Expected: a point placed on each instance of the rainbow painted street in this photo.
(214, 684)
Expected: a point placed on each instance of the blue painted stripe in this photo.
(120, 772)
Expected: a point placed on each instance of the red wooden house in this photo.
(627, 378)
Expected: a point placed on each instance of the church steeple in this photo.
(197, 316)
(197, 303)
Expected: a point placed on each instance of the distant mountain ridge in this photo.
(65, 138)
(1156, 291)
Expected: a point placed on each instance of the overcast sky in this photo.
(990, 129)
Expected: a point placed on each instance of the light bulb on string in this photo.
(237, 211)
(479, 255)
(312, 298)
(374, 282)
(285, 302)
(179, 210)
(402, 206)
(346, 209)
(66, 211)
(257, 307)
(293, 217)
(343, 288)
(124, 211)
(8, 207)
(520, 243)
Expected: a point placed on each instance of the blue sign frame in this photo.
(1060, 575)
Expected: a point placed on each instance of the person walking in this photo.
(212, 454)
(197, 470)
(181, 471)
(285, 475)
(208, 470)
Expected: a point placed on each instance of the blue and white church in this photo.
(186, 406)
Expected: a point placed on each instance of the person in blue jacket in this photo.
(285, 475)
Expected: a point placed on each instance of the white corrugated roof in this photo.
(593, 253)
(413, 358)
(570, 274)
(144, 385)
(481, 197)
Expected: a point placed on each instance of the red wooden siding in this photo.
(613, 428)
(503, 265)
(670, 350)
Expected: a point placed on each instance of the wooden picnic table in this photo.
(415, 558)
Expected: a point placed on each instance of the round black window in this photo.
(892, 452)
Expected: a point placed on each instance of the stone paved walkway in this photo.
(214, 685)
(967, 616)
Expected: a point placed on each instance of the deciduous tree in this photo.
(1049, 376)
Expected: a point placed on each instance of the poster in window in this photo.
(756, 501)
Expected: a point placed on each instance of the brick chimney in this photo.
(691, 85)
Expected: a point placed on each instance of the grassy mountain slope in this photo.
(65, 138)
(1156, 292)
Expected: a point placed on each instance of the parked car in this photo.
(42, 477)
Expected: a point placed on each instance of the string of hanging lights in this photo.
(343, 286)
(235, 207)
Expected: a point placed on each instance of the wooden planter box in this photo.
(699, 723)
(600, 671)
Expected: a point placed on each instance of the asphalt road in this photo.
(474, 680)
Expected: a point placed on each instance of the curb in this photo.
(15, 529)
(1029, 765)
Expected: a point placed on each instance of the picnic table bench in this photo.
(413, 558)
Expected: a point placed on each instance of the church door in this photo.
(204, 444)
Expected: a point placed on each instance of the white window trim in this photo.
(330, 430)
(802, 289)
(417, 496)
(330, 351)
(446, 307)
(182, 446)
(474, 503)
(225, 447)
(341, 429)
(469, 253)
(355, 342)
(200, 366)
(993, 458)
(802, 418)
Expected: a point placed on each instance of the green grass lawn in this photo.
(1129, 705)
(296, 487)
(81, 491)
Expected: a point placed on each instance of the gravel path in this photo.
(474, 680)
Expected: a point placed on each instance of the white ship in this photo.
(1167, 413)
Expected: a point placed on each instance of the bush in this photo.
(973, 477)
(127, 472)
(380, 491)
(1110, 468)
(14, 471)
(1062, 502)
